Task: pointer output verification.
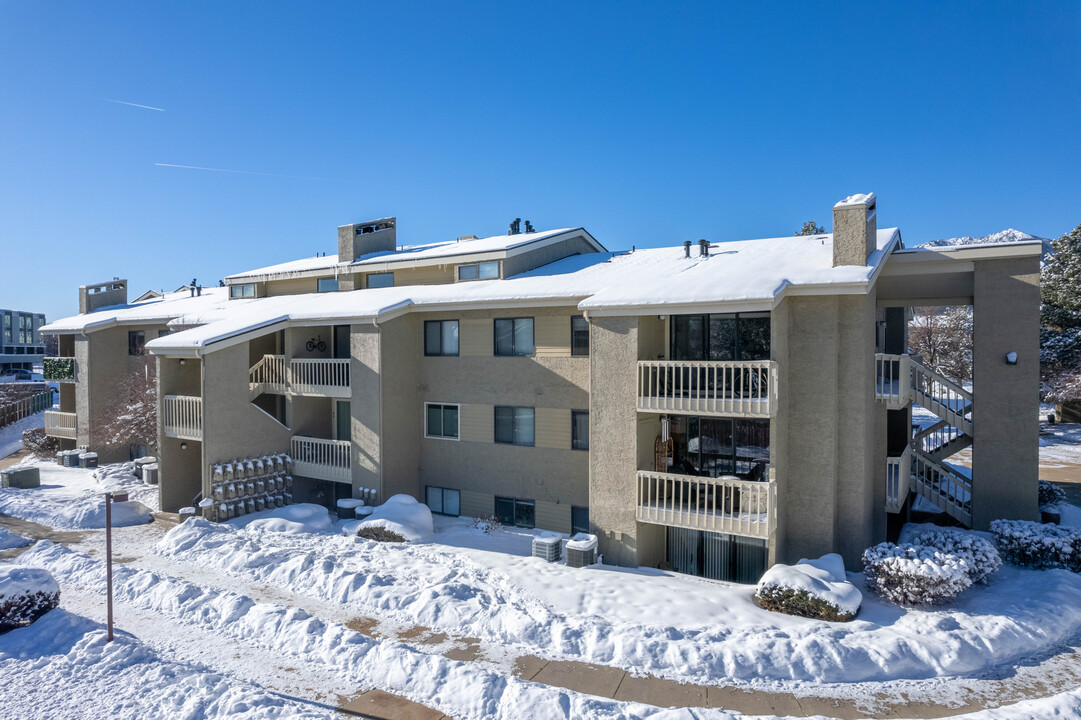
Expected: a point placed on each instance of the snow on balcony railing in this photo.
(60, 424)
(742, 387)
(182, 417)
(724, 505)
(323, 377)
(321, 459)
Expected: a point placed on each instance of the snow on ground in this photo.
(73, 498)
(1060, 445)
(472, 584)
(9, 540)
(11, 436)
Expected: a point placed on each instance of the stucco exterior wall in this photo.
(548, 254)
(1005, 412)
(365, 407)
(401, 407)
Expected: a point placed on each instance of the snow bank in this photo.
(823, 578)
(400, 514)
(90, 514)
(11, 436)
(9, 539)
(291, 519)
(17, 581)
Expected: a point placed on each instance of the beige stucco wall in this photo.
(1005, 412)
(542, 256)
(366, 407)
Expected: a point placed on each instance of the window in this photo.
(7, 327)
(513, 425)
(441, 337)
(579, 520)
(479, 271)
(163, 333)
(579, 336)
(242, 291)
(514, 336)
(327, 285)
(515, 513)
(745, 336)
(580, 429)
(712, 447)
(136, 342)
(443, 501)
(441, 421)
(381, 280)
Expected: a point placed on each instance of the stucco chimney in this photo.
(855, 230)
(367, 237)
(92, 297)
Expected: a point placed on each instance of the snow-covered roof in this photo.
(744, 274)
(153, 311)
(414, 255)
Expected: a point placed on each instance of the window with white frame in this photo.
(441, 421)
(479, 271)
(514, 425)
(247, 290)
(441, 337)
(381, 280)
(513, 336)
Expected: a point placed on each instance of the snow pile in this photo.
(1037, 545)
(292, 519)
(914, 574)
(977, 555)
(11, 436)
(73, 498)
(62, 667)
(26, 593)
(400, 514)
(9, 539)
(810, 588)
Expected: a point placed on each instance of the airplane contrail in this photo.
(145, 107)
(247, 172)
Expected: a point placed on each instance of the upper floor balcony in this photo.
(731, 388)
(313, 377)
(182, 417)
(59, 369)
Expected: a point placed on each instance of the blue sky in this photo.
(646, 123)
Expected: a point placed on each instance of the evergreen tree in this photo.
(811, 228)
(1060, 313)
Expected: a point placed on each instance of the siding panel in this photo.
(475, 337)
(477, 505)
(550, 516)
(553, 428)
(476, 423)
(552, 335)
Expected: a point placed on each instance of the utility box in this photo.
(548, 547)
(24, 478)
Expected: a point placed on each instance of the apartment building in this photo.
(21, 346)
(711, 408)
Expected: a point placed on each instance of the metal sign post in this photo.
(109, 559)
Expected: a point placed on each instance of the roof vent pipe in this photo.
(686, 248)
(703, 248)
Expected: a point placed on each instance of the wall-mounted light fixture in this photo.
(181, 361)
(183, 446)
(1011, 358)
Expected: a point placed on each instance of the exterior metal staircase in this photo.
(899, 381)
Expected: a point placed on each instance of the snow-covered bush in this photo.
(811, 588)
(25, 595)
(914, 574)
(43, 446)
(1050, 494)
(379, 534)
(403, 516)
(487, 525)
(977, 555)
(1037, 545)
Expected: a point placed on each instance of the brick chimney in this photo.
(367, 237)
(855, 230)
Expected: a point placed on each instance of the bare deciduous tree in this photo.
(943, 336)
(133, 412)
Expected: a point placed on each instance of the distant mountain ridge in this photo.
(1009, 235)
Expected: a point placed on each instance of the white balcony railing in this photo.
(182, 417)
(898, 481)
(269, 375)
(324, 377)
(743, 388)
(60, 424)
(321, 459)
(724, 505)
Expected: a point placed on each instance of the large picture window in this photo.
(514, 425)
(381, 280)
(743, 336)
(479, 271)
(443, 501)
(515, 513)
(441, 421)
(441, 337)
(246, 290)
(513, 336)
(327, 285)
(579, 336)
(712, 447)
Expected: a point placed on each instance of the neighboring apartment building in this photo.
(709, 408)
(21, 346)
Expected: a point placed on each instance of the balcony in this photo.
(321, 459)
(310, 377)
(740, 388)
(59, 369)
(60, 424)
(722, 505)
(182, 417)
